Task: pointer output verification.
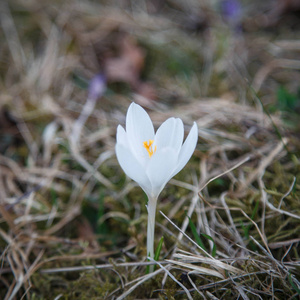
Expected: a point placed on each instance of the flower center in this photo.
(149, 147)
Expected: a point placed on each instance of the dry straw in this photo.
(240, 188)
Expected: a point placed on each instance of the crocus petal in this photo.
(170, 134)
(132, 167)
(187, 149)
(161, 168)
(121, 136)
(139, 128)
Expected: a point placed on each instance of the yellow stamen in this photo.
(149, 148)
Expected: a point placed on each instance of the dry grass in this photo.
(72, 226)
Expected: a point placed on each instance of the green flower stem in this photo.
(150, 229)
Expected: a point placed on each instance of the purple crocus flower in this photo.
(232, 12)
(97, 86)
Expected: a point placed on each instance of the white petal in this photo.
(121, 136)
(160, 169)
(187, 149)
(139, 128)
(132, 167)
(170, 134)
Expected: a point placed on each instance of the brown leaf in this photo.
(127, 66)
(85, 232)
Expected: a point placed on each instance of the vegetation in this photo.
(73, 226)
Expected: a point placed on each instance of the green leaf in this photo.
(53, 196)
(247, 228)
(198, 238)
(101, 228)
(195, 234)
(286, 100)
(214, 249)
(255, 209)
(80, 81)
(292, 283)
(156, 254)
(158, 249)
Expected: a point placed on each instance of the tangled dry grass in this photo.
(73, 226)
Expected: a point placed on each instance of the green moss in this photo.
(89, 285)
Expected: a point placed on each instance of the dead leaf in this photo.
(127, 66)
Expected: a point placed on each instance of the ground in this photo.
(72, 225)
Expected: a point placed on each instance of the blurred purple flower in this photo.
(232, 12)
(97, 86)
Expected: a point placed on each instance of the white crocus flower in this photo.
(152, 159)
